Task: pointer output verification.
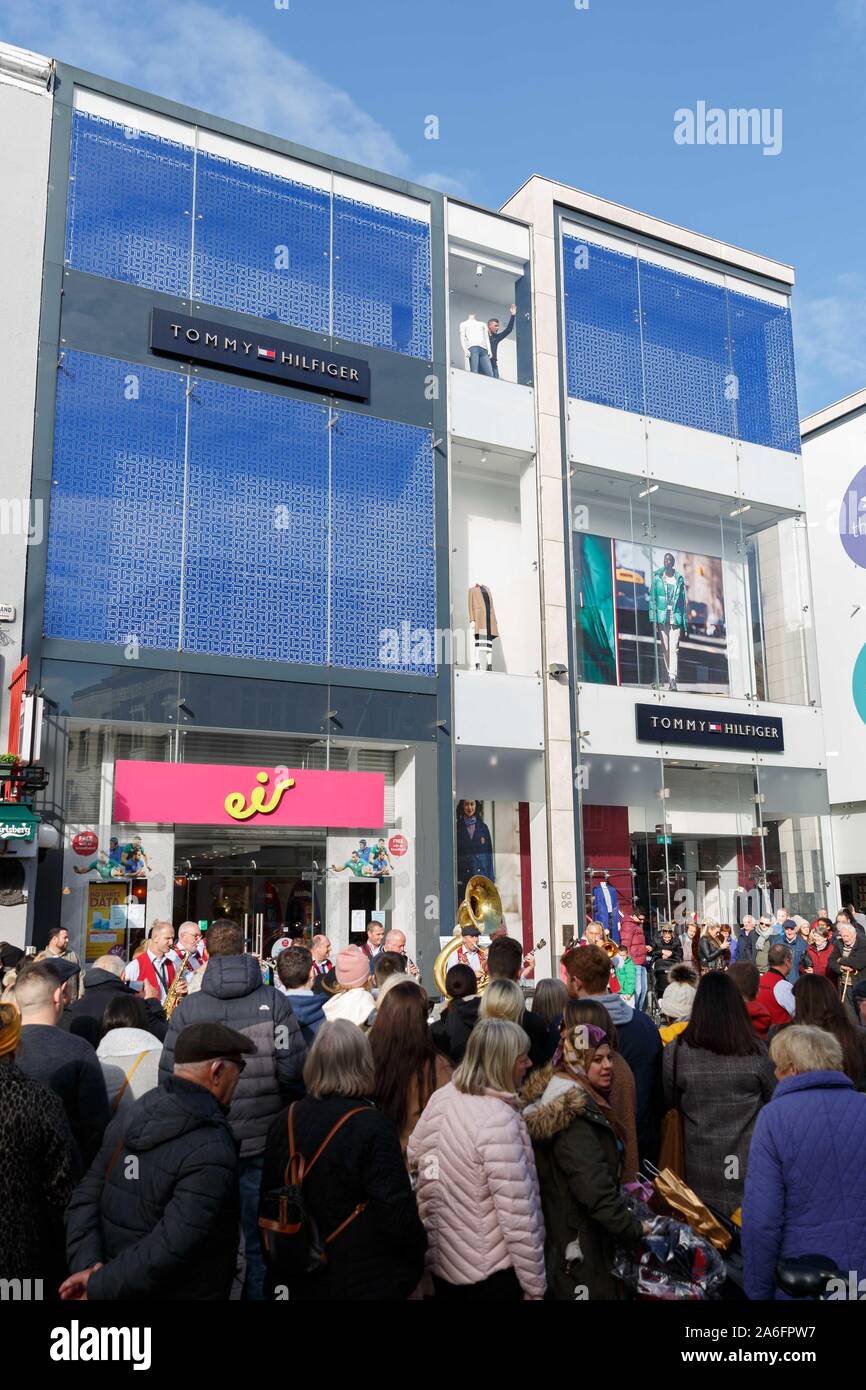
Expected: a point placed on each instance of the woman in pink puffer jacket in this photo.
(477, 1187)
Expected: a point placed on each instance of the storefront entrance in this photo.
(266, 888)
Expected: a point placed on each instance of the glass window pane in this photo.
(382, 555)
(602, 332)
(256, 545)
(261, 243)
(785, 652)
(381, 278)
(763, 361)
(685, 349)
(129, 206)
(116, 516)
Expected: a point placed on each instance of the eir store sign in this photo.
(214, 794)
(700, 728)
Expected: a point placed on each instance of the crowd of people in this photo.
(174, 1126)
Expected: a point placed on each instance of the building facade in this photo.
(833, 453)
(356, 503)
(686, 738)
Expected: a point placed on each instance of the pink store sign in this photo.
(216, 794)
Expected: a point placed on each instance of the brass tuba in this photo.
(482, 908)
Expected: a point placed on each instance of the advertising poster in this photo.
(106, 918)
(650, 616)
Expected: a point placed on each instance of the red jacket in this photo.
(819, 960)
(777, 1013)
(758, 1017)
(633, 940)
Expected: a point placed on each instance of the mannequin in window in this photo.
(496, 335)
(667, 611)
(477, 350)
(474, 845)
(482, 622)
(605, 907)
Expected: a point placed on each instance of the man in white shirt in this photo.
(470, 953)
(396, 941)
(320, 949)
(475, 342)
(155, 965)
(190, 942)
(372, 947)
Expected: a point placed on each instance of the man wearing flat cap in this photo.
(157, 1215)
(470, 952)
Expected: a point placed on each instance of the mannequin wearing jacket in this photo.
(606, 908)
(475, 342)
(667, 610)
(474, 846)
(482, 618)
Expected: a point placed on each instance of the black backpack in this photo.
(291, 1243)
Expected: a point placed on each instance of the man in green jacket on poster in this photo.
(667, 610)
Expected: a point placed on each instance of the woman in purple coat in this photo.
(804, 1189)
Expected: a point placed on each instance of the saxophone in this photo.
(172, 995)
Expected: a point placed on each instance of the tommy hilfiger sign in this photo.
(708, 728)
(269, 356)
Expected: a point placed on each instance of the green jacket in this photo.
(626, 975)
(658, 603)
(578, 1163)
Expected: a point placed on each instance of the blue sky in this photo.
(587, 96)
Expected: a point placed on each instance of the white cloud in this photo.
(205, 57)
(830, 341)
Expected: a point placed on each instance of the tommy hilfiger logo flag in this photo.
(268, 354)
(715, 728)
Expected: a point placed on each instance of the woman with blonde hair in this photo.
(357, 1191)
(471, 1153)
(713, 952)
(503, 999)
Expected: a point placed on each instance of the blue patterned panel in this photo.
(255, 583)
(383, 571)
(129, 207)
(602, 331)
(686, 356)
(766, 408)
(261, 244)
(115, 531)
(381, 278)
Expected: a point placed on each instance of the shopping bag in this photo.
(676, 1195)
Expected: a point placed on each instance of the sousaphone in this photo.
(482, 908)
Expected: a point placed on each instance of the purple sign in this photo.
(852, 519)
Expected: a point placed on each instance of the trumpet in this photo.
(172, 994)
